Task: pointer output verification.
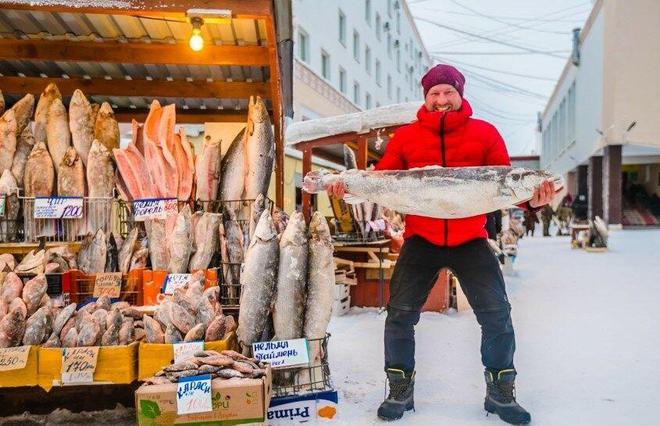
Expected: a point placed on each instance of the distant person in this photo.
(531, 219)
(580, 208)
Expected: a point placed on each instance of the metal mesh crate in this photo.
(97, 213)
(305, 379)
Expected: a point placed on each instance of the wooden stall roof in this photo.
(129, 52)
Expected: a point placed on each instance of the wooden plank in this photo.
(168, 9)
(363, 152)
(151, 88)
(125, 115)
(132, 53)
(276, 96)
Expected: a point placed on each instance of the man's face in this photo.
(443, 97)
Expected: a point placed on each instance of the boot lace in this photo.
(505, 390)
(398, 388)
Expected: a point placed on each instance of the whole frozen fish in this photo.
(289, 308)
(62, 318)
(39, 179)
(259, 149)
(12, 288)
(106, 129)
(71, 182)
(158, 244)
(153, 330)
(258, 281)
(234, 168)
(139, 259)
(89, 332)
(206, 239)
(33, 262)
(207, 171)
(9, 189)
(23, 110)
(232, 256)
(100, 173)
(12, 328)
(24, 146)
(50, 93)
(180, 242)
(58, 136)
(81, 124)
(129, 245)
(33, 291)
(93, 252)
(112, 256)
(8, 133)
(440, 192)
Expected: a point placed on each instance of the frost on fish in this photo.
(433, 191)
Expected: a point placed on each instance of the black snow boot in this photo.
(400, 398)
(501, 398)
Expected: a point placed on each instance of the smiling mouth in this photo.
(443, 108)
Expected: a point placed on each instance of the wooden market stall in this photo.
(130, 52)
(367, 133)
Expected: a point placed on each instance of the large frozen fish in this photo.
(24, 146)
(100, 175)
(133, 168)
(12, 328)
(50, 93)
(33, 292)
(181, 243)
(9, 189)
(440, 192)
(35, 328)
(163, 175)
(23, 110)
(81, 124)
(207, 170)
(106, 129)
(258, 281)
(58, 136)
(71, 183)
(39, 179)
(234, 168)
(233, 252)
(320, 289)
(158, 244)
(32, 263)
(289, 308)
(259, 149)
(129, 245)
(206, 240)
(12, 288)
(8, 133)
(92, 254)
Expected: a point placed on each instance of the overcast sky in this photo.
(507, 80)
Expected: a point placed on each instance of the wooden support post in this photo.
(276, 89)
(363, 152)
(307, 198)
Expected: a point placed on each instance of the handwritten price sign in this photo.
(154, 208)
(186, 350)
(107, 284)
(174, 281)
(58, 207)
(193, 395)
(14, 358)
(79, 364)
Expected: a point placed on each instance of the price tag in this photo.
(174, 281)
(187, 349)
(79, 364)
(107, 284)
(14, 358)
(193, 395)
(154, 208)
(58, 207)
(282, 353)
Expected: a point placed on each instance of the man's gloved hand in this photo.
(337, 190)
(543, 195)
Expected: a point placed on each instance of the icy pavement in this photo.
(588, 338)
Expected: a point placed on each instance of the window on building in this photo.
(398, 22)
(356, 45)
(389, 45)
(367, 11)
(378, 26)
(325, 64)
(342, 80)
(398, 59)
(389, 87)
(303, 45)
(367, 59)
(356, 93)
(378, 80)
(342, 28)
(367, 100)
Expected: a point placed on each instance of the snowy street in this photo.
(587, 333)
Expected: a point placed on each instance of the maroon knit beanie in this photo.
(443, 74)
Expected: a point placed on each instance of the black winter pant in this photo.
(480, 277)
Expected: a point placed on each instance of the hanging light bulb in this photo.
(196, 41)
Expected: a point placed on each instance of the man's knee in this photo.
(401, 319)
(495, 320)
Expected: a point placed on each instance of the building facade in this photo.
(600, 126)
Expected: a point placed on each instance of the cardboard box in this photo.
(26, 376)
(115, 364)
(311, 408)
(154, 356)
(235, 401)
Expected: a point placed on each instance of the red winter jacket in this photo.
(448, 139)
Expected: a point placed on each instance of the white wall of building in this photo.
(317, 33)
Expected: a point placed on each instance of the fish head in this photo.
(522, 182)
(257, 111)
(106, 110)
(318, 228)
(78, 99)
(51, 91)
(265, 230)
(317, 181)
(296, 229)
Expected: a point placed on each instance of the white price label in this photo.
(193, 395)
(187, 349)
(58, 207)
(174, 281)
(154, 208)
(282, 353)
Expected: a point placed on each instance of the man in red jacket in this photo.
(446, 135)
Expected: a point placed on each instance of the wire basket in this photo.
(11, 219)
(82, 287)
(313, 377)
(363, 232)
(97, 213)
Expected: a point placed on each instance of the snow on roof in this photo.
(358, 122)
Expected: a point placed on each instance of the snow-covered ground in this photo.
(588, 343)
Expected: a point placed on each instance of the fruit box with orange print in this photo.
(310, 408)
(235, 401)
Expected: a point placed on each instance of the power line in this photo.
(496, 83)
(504, 43)
(533, 77)
(495, 53)
(512, 18)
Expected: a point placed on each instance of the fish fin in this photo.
(353, 199)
